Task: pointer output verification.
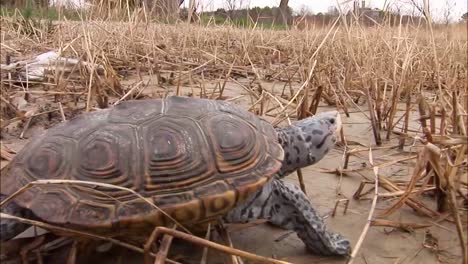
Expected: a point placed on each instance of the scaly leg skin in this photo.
(285, 205)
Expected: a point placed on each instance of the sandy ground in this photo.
(381, 245)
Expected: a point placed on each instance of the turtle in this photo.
(197, 159)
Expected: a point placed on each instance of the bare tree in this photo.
(192, 9)
(230, 7)
(449, 5)
(283, 12)
(421, 6)
(333, 10)
(233, 5)
(305, 11)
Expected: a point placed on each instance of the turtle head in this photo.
(307, 141)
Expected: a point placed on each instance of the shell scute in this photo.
(108, 155)
(136, 112)
(175, 154)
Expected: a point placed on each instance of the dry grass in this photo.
(385, 73)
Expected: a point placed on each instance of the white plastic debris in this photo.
(36, 69)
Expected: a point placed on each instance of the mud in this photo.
(381, 245)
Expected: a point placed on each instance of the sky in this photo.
(458, 7)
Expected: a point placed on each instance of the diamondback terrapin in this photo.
(196, 159)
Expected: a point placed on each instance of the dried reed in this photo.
(124, 55)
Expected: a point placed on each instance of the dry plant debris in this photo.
(410, 82)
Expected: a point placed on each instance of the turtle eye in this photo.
(332, 121)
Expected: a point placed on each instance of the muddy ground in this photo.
(381, 245)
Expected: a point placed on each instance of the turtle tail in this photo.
(10, 228)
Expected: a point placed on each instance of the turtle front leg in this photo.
(285, 205)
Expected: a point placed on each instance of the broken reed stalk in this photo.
(432, 119)
(417, 174)
(301, 181)
(226, 78)
(401, 225)
(409, 201)
(348, 154)
(371, 210)
(26, 126)
(204, 257)
(424, 111)
(455, 129)
(346, 204)
(62, 113)
(303, 86)
(89, 183)
(153, 236)
(443, 121)
(393, 109)
(358, 193)
(406, 122)
(316, 100)
(205, 243)
(454, 112)
(373, 118)
(227, 240)
(62, 230)
(449, 176)
(440, 195)
(71, 258)
(163, 251)
(302, 111)
(378, 103)
(397, 85)
(128, 93)
(91, 69)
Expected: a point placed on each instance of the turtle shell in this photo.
(194, 158)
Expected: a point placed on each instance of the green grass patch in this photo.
(242, 22)
(31, 12)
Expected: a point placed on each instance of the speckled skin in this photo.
(284, 204)
(308, 141)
